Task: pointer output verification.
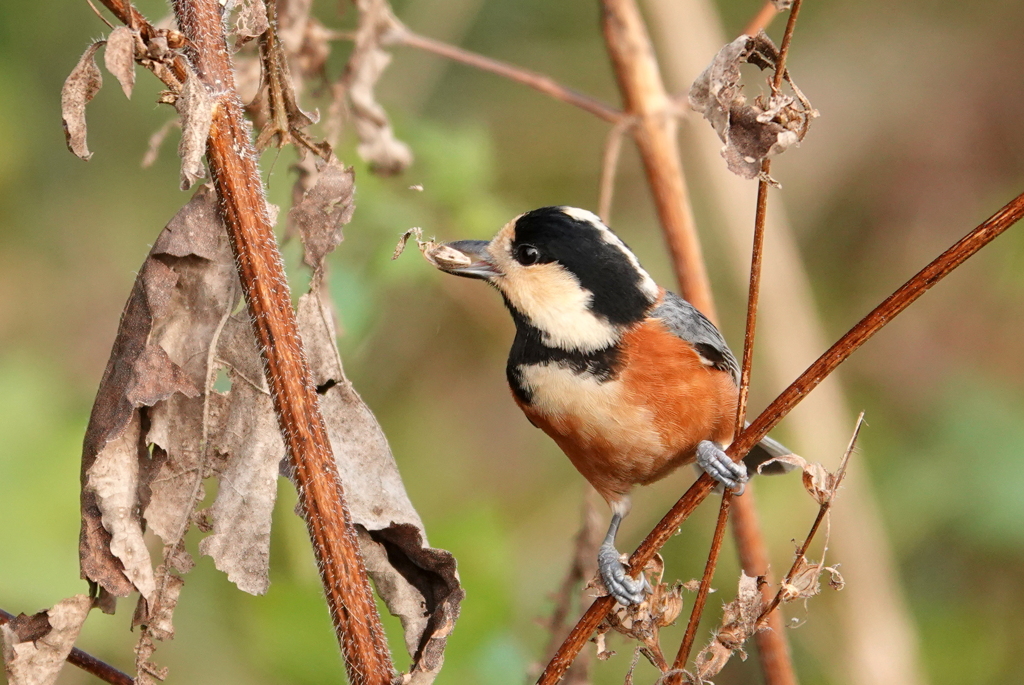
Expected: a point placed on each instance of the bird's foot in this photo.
(624, 589)
(717, 464)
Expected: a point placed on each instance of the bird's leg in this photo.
(717, 464)
(624, 589)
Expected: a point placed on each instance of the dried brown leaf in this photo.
(245, 432)
(377, 142)
(119, 57)
(195, 107)
(419, 584)
(29, 628)
(35, 657)
(158, 363)
(739, 623)
(751, 131)
(323, 210)
(251, 22)
(818, 481)
(80, 87)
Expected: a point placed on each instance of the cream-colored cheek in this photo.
(552, 300)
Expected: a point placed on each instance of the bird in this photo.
(630, 380)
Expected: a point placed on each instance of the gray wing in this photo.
(683, 319)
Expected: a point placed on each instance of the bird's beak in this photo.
(479, 265)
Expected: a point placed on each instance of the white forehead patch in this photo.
(647, 284)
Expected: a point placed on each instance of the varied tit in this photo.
(629, 379)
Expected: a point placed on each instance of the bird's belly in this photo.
(610, 437)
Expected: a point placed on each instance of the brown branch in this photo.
(645, 97)
(400, 35)
(87, 662)
(232, 161)
(772, 646)
(683, 655)
(762, 20)
(893, 305)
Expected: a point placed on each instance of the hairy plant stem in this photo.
(893, 305)
(233, 165)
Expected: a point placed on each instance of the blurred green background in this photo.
(920, 139)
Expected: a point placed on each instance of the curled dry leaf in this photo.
(751, 131)
(119, 56)
(818, 481)
(151, 395)
(195, 107)
(81, 86)
(377, 142)
(803, 582)
(323, 210)
(159, 428)
(36, 647)
(739, 623)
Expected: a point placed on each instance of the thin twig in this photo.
(893, 305)
(822, 514)
(87, 662)
(609, 166)
(581, 568)
(683, 655)
(772, 647)
(540, 82)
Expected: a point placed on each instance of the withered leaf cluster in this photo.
(123, 48)
(377, 142)
(739, 623)
(643, 622)
(751, 131)
(159, 429)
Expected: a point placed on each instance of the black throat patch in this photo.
(528, 349)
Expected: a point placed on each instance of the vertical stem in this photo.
(643, 91)
(645, 98)
(683, 655)
(232, 161)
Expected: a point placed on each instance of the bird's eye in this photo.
(527, 255)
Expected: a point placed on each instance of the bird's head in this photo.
(563, 272)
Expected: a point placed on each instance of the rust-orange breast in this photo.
(640, 425)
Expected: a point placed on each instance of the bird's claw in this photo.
(717, 464)
(622, 587)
